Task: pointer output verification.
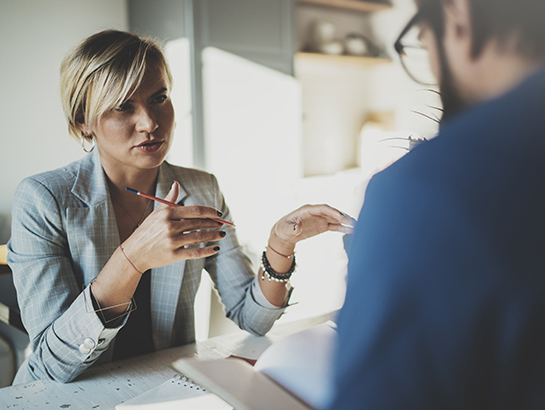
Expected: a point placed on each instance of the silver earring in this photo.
(86, 138)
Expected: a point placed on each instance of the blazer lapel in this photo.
(92, 228)
(94, 238)
(166, 281)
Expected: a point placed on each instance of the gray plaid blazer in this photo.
(64, 231)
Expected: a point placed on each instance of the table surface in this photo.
(103, 387)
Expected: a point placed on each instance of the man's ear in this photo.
(458, 24)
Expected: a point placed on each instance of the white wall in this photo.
(35, 35)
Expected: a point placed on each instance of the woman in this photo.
(102, 274)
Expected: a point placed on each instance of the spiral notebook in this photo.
(292, 374)
(176, 393)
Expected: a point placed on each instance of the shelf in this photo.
(342, 59)
(353, 5)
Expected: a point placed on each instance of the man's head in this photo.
(480, 49)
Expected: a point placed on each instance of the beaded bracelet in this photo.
(271, 273)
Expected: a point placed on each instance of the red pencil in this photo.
(134, 191)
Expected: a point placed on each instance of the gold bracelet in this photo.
(281, 254)
(126, 257)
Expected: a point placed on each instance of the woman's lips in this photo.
(149, 147)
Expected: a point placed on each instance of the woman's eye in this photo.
(123, 107)
(160, 99)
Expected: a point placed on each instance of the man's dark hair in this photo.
(500, 20)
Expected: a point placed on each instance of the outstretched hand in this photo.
(309, 221)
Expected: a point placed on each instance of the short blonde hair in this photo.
(102, 72)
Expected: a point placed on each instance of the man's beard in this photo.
(453, 104)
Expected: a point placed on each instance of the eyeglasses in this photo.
(412, 53)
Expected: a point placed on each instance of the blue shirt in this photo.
(445, 303)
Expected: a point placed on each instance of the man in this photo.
(445, 304)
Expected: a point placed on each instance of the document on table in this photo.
(176, 393)
(294, 373)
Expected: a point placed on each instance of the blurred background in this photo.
(287, 102)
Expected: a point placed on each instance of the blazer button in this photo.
(89, 343)
(84, 350)
(86, 346)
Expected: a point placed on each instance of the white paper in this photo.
(302, 363)
(177, 393)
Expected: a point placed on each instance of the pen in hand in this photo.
(162, 201)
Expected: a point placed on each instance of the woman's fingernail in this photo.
(223, 234)
(216, 248)
(220, 214)
(172, 186)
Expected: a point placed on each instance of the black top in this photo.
(135, 338)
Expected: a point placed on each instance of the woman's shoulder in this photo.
(55, 181)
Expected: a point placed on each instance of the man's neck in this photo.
(496, 72)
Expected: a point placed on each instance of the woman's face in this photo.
(138, 133)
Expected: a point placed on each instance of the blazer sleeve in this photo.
(233, 274)
(66, 334)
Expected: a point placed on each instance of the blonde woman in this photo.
(102, 274)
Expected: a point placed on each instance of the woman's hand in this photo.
(306, 222)
(303, 223)
(164, 236)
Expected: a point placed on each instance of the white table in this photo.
(105, 386)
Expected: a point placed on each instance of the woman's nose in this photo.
(145, 121)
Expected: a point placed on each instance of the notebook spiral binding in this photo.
(187, 382)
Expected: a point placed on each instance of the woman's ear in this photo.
(83, 127)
